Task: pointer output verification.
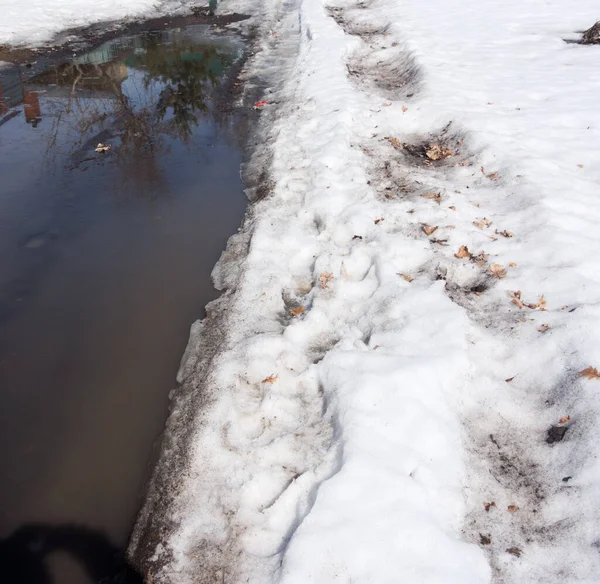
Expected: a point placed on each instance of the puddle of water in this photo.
(104, 263)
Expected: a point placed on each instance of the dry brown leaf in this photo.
(474, 203)
(379, 220)
(539, 305)
(488, 506)
(325, 278)
(270, 379)
(512, 264)
(297, 311)
(492, 238)
(464, 163)
(407, 277)
(429, 229)
(491, 175)
(480, 259)
(512, 508)
(394, 141)
(450, 226)
(463, 252)
(543, 328)
(387, 104)
(482, 223)
(516, 298)
(497, 271)
(437, 152)
(504, 233)
(590, 373)
(404, 109)
(580, 165)
(452, 207)
(564, 420)
(437, 197)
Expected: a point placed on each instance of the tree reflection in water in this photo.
(151, 90)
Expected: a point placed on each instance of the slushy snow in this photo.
(407, 308)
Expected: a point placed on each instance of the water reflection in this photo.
(132, 93)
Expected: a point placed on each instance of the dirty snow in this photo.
(38, 21)
(379, 407)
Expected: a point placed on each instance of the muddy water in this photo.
(105, 261)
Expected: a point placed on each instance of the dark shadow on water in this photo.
(24, 553)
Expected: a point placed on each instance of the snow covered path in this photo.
(409, 306)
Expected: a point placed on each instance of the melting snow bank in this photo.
(408, 308)
(38, 20)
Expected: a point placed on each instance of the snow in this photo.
(38, 21)
(371, 390)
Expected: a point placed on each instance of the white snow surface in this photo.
(375, 391)
(37, 21)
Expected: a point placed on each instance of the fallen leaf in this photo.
(394, 141)
(379, 220)
(437, 152)
(450, 226)
(491, 175)
(482, 223)
(387, 104)
(464, 163)
(429, 229)
(410, 211)
(515, 551)
(437, 197)
(325, 278)
(543, 328)
(564, 420)
(516, 298)
(404, 109)
(513, 508)
(480, 259)
(509, 379)
(590, 373)
(474, 203)
(539, 305)
(504, 233)
(512, 264)
(102, 147)
(497, 271)
(407, 277)
(463, 252)
(270, 379)
(297, 311)
(580, 165)
(492, 238)
(452, 207)
(488, 506)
